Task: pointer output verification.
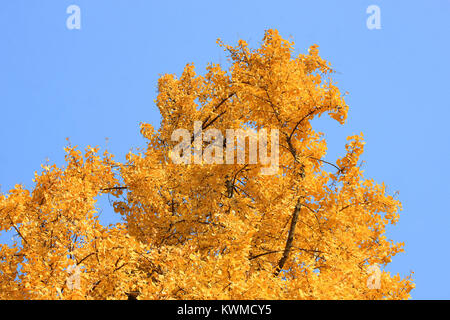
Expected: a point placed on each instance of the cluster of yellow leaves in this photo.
(212, 231)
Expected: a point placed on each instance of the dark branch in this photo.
(290, 239)
(114, 188)
(331, 164)
(263, 254)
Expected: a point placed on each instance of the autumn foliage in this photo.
(212, 231)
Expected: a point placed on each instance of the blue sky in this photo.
(100, 82)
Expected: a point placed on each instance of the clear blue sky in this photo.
(100, 82)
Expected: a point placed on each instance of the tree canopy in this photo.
(311, 230)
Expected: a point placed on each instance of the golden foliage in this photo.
(212, 231)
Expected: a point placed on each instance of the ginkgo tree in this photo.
(312, 230)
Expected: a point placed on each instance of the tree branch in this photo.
(114, 188)
(17, 230)
(290, 239)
